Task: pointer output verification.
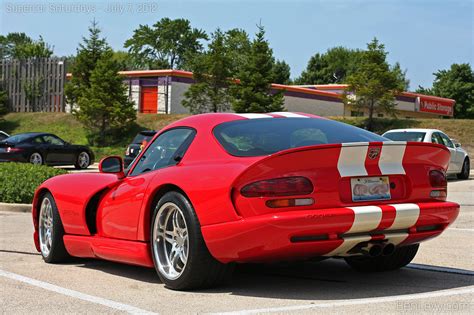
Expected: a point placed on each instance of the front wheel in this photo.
(466, 169)
(83, 161)
(51, 231)
(400, 258)
(180, 255)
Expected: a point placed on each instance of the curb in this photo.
(15, 207)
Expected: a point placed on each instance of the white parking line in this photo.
(441, 269)
(75, 294)
(405, 297)
(461, 229)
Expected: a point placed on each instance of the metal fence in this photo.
(34, 85)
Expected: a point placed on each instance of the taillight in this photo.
(438, 179)
(10, 150)
(285, 186)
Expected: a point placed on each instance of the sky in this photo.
(423, 35)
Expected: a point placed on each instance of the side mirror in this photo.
(112, 165)
(457, 144)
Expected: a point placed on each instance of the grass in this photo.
(67, 127)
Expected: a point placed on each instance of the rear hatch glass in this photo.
(258, 137)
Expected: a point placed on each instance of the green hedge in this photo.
(18, 181)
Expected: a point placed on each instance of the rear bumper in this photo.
(326, 232)
(12, 157)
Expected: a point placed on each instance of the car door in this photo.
(437, 138)
(456, 155)
(120, 209)
(58, 150)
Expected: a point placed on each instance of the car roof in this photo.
(210, 120)
(414, 130)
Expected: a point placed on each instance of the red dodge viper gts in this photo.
(212, 190)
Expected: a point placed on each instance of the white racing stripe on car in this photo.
(254, 116)
(406, 216)
(75, 294)
(396, 238)
(348, 243)
(391, 158)
(366, 218)
(351, 160)
(290, 115)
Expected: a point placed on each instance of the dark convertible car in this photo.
(44, 148)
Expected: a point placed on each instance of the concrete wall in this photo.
(177, 90)
(313, 106)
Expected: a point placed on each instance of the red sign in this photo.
(436, 106)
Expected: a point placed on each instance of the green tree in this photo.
(333, 66)
(168, 44)
(374, 86)
(90, 51)
(21, 46)
(125, 60)
(254, 94)
(212, 72)
(281, 72)
(104, 107)
(456, 83)
(3, 102)
(238, 45)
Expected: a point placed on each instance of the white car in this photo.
(459, 163)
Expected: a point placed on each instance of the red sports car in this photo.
(212, 190)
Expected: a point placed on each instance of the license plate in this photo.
(370, 188)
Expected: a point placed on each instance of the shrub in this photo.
(18, 181)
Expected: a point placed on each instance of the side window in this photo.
(166, 150)
(53, 140)
(37, 140)
(435, 138)
(446, 141)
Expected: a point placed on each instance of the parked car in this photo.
(3, 135)
(459, 163)
(44, 148)
(138, 143)
(215, 189)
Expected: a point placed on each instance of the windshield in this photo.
(18, 138)
(139, 138)
(405, 136)
(256, 137)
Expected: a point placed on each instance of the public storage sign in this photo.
(434, 105)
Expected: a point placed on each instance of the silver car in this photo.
(459, 163)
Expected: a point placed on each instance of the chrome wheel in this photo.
(170, 241)
(46, 227)
(36, 159)
(83, 160)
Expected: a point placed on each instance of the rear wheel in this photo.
(466, 169)
(83, 160)
(36, 158)
(400, 258)
(51, 231)
(180, 255)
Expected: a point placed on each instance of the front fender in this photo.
(71, 193)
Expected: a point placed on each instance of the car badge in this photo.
(374, 153)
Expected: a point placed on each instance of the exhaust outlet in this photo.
(388, 249)
(372, 250)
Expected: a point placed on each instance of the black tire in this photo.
(78, 165)
(31, 158)
(57, 252)
(400, 258)
(466, 169)
(201, 269)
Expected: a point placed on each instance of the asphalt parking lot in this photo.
(440, 281)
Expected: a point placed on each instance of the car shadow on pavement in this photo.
(327, 280)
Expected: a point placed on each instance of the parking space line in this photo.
(441, 269)
(461, 229)
(387, 299)
(75, 294)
